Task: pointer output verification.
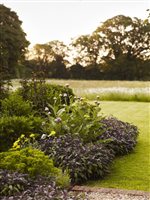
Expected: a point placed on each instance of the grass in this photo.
(84, 84)
(107, 90)
(131, 171)
(119, 96)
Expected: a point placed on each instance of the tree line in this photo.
(118, 49)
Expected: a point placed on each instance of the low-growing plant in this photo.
(19, 186)
(14, 105)
(33, 162)
(13, 182)
(83, 161)
(13, 127)
(123, 135)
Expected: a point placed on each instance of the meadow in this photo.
(106, 90)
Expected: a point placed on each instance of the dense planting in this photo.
(79, 118)
(46, 131)
(29, 161)
(11, 127)
(82, 161)
(21, 187)
(43, 95)
(122, 134)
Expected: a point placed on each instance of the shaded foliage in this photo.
(11, 127)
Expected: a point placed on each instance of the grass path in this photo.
(131, 171)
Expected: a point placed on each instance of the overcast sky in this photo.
(44, 21)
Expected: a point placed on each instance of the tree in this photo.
(51, 58)
(126, 43)
(88, 48)
(12, 46)
(76, 71)
(13, 43)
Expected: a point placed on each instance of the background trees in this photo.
(50, 58)
(127, 45)
(119, 48)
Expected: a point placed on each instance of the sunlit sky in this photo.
(44, 21)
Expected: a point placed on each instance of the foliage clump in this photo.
(42, 95)
(83, 162)
(14, 105)
(122, 135)
(78, 118)
(33, 162)
(12, 127)
(20, 186)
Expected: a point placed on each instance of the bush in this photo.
(22, 187)
(12, 127)
(79, 118)
(14, 105)
(82, 161)
(123, 135)
(33, 162)
(42, 95)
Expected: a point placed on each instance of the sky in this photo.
(48, 20)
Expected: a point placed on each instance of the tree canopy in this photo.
(119, 48)
(13, 41)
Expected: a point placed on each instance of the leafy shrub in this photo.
(82, 161)
(12, 127)
(79, 118)
(22, 187)
(123, 135)
(43, 95)
(14, 105)
(33, 162)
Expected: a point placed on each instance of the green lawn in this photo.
(131, 171)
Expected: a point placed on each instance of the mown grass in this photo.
(131, 171)
(107, 90)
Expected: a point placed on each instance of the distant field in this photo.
(131, 171)
(106, 90)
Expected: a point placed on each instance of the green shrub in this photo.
(12, 127)
(79, 118)
(42, 95)
(15, 105)
(83, 161)
(33, 162)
